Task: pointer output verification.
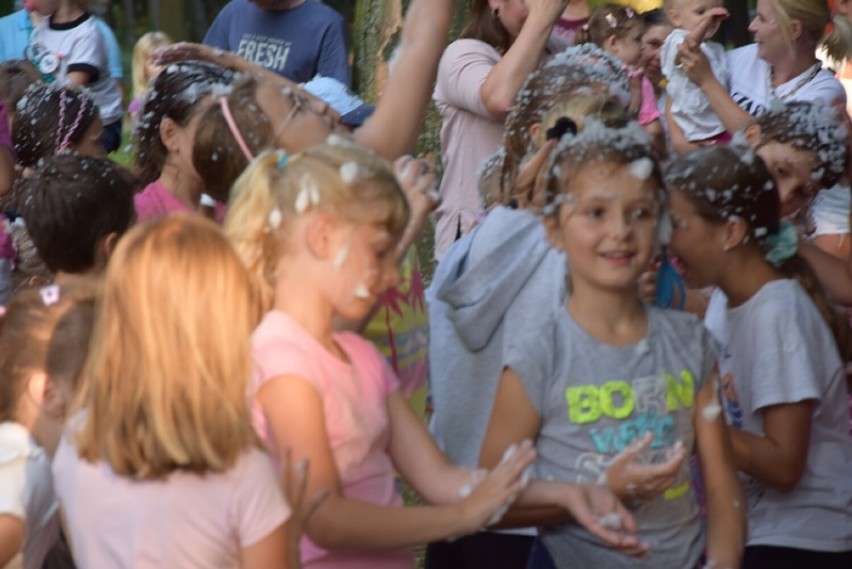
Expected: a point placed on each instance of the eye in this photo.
(641, 213)
(594, 212)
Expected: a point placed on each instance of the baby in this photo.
(695, 21)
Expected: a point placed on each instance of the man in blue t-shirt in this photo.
(294, 38)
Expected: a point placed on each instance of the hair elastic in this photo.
(232, 126)
(63, 142)
(282, 159)
(782, 244)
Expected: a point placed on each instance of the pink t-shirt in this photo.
(469, 134)
(186, 520)
(354, 399)
(156, 201)
(649, 111)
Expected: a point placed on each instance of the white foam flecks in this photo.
(610, 521)
(303, 200)
(665, 228)
(711, 412)
(341, 256)
(362, 292)
(642, 347)
(760, 232)
(349, 172)
(314, 193)
(642, 168)
(274, 220)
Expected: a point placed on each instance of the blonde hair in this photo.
(577, 109)
(336, 177)
(164, 388)
(814, 15)
(144, 47)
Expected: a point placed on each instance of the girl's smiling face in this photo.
(793, 171)
(695, 241)
(607, 226)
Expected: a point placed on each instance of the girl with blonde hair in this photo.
(318, 232)
(144, 68)
(163, 438)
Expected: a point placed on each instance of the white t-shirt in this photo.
(750, 85)
(26, 492)
(186, 520)
(58, 49)
(830, 210)
(776, 349)
(690, 108)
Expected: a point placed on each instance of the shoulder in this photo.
(280, 347)
(468, 48)
(825, 87)
(319, 10)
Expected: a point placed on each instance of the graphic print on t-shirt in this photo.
(647, 404)
(266, 51)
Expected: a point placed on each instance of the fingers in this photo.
(600, 512)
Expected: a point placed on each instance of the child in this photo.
(785, 386)
(143, 67)
(67, 47)
(50, 119)
(164, 135)
(318, 231)
(163, 441)
(43, 340)
(618, 31)
(608, 373)
(696, 21)
(76, 208)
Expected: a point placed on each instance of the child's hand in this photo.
(420, 188)
(491, 497)
(598, 510)
(294, 479)
(635, 481)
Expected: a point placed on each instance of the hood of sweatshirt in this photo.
(480, 276)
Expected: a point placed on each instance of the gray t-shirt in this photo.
(776, 349)
(596, 399)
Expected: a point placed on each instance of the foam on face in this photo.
(642, 168)
(274, 220)
(361, 291)
(341, 256)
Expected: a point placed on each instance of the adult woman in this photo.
(478, 79)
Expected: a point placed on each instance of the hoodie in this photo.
(493, 285)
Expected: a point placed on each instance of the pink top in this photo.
(156, 201)
(356, 418)
(649, 111)
(469, 134)
(184, 521)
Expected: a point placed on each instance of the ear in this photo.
(611, 45)
(551, 228)
(534, 130)
(169, 131)
(37, 385)
(752, 134)
(734, 234)
(53, 405)
(796, 29)
(104, 249)
(319, 235)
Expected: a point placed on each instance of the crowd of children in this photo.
(636, 339)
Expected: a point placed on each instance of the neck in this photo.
(67, 12)
(36, 18)
(304, 304)
(184, 187)
(745, 274)
(610, 317)
(791, 67)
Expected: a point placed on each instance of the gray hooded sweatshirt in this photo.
(496, 283)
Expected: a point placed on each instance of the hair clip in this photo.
(585, 27)
(49, 294)
(282, 159)
(629, 11)
(611, 20)
(563, 126)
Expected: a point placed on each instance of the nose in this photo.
(621, 226)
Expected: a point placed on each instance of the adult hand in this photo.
(418, 183)
(547, 10)
(632, 481)
(598, 510)
(294, 479)
(694, 63)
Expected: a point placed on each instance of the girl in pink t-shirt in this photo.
(618, 31)
(319, 231)
(160, 466)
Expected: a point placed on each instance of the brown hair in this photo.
(725, 182)
(485, 26)
(45, 329)
(607, 21)
(15, 77)
(216, 155)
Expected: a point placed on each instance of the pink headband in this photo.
(229, 118)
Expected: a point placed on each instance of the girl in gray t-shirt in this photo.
(610, 381)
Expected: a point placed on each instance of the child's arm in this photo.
(726, 524)
(342, 522)
(712, 17)
(11, 537)
(835, 275)
(271, 551)
(778, 457)
(513, 419)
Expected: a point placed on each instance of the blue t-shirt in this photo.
(16, 29)
(297, 43)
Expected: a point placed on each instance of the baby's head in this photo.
(335, 210)
(687, 14)
(76, 208)
(617, 30)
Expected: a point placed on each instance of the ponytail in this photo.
(838, 42)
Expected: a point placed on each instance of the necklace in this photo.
(813, 70)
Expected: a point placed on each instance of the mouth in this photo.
(619, 258)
